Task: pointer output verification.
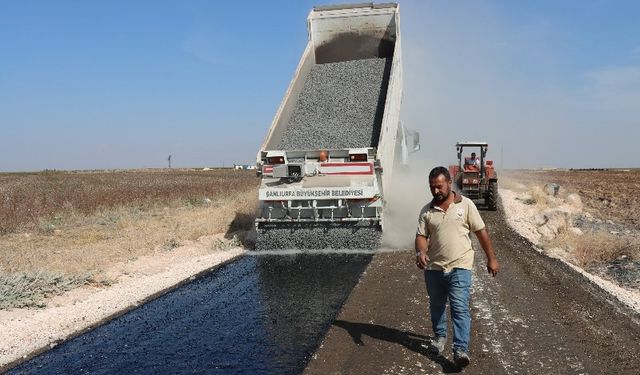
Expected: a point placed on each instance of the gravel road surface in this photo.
(536, 317)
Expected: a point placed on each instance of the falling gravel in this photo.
(318, 236)
(340, 106)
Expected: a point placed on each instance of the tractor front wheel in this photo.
(492, 196)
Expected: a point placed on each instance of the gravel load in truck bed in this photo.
(340, 106)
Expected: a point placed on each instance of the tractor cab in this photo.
(474, 176)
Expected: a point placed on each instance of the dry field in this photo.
(59, 230)
(41, 201)
(607, 194)
(610, 241)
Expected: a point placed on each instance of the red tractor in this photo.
(474, 176)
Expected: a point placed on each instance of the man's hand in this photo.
(422, 243)
(421, 260)
(493, 267)
(492, 261)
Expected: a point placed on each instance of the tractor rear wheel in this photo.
(492, 196)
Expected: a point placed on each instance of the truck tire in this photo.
(492, 196)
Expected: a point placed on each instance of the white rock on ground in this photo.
(25, 331)
(574, 200)
(556, 221)
(576, 231)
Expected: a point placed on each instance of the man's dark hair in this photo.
(437, 171)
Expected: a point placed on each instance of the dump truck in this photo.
(331, 149)
(476, 178)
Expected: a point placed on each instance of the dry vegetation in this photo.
(30, 289)
(63, 229)
(595, 247)
(40, 201)
(606, 195)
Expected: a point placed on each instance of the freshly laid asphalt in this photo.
(258, 315)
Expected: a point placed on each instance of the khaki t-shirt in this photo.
(448, 233)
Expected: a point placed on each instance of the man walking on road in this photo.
(443, 250)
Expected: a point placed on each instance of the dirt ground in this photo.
(608, 194)
(536, 317)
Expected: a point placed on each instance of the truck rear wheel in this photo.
(492, 196)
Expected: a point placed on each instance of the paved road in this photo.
(258, 315)
(536, 317)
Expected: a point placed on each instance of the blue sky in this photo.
(119, 84)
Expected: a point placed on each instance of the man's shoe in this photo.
(436, 345)
(460, 357)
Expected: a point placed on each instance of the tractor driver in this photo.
(473, 160)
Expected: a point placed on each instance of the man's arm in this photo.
(487, 246)
(422, 244)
